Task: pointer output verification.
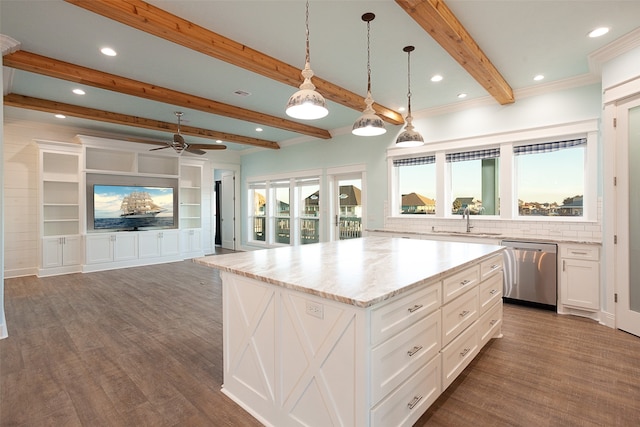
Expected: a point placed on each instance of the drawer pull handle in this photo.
(414, 350)
(494, 266)
(414, 308)
(578, 253)
(465, 282)
(493, 291)
(464, 352)
(414, 402)
(464, 313)
(493, 322)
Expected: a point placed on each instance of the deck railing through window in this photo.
(350, 227)
(259, 228)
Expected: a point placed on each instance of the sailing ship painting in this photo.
(119, 207)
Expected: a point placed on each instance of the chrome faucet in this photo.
(467, 213)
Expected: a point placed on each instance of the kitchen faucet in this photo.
(467, 213)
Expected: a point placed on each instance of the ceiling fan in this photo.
(180, 145)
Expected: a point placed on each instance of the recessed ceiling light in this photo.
(108, 51)
(258, 129)
(79, 92)
(60, 116)
(538, 77)
(598, 32)
(218, 141)
(400, 108)
(436, 78)
(462, 95)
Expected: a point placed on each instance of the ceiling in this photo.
(520, 38)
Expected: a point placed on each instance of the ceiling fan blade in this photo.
(208, 146)
(195, 151)
(160, 148)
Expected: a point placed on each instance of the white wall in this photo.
(3, 322)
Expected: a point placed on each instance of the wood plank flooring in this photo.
(143, 347)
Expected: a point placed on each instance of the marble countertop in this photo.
(489, 235)
(360, 272)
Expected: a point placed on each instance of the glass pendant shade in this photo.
(307, 104)
(368, 124)
(409, 137)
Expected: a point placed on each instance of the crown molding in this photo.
(8, 44)
(616, 48)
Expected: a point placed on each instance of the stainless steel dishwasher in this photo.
(530, 273)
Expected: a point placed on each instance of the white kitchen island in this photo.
(362, 332)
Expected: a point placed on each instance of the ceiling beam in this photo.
(437, 19)
(31, 103)
(35, 63)
(152, 20)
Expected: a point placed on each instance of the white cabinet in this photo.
(111, 247)
(61, 251)
(580, 277)
(191, 243)
(153, 244)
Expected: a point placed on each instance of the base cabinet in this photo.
(61, 255)
(111, 247)
(292, 358)
(191, 243)
(580, 277)
(158, 243)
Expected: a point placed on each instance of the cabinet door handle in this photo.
(414, 308)
(493, 291)
(414, 402)
(464, 352)
(494, 266)
(414, 350)
(465, 282)
(464, 313)
(563, 262)
(493, 322)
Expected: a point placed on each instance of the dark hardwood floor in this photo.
(142, 347)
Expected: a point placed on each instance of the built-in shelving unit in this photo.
(61, 207)
(68, 173)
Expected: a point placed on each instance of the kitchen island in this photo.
(362, 332)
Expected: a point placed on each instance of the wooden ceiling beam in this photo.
(437, 19)
(152, 20)
(39, 64)
(31, 103)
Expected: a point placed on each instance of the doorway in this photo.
(347, 206)
(225, 209)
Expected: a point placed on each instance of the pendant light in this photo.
(307, 104)
(409, 137)
(368, 124)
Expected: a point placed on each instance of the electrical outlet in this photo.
(315, 309)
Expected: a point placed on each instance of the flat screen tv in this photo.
(130, 208)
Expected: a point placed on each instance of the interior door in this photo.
(228, 211)
(628, 217)
(347, 206)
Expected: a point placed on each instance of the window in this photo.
(475, 181)
(550, 178)
(282, 211)
(308, 195)
(258, 211)
(417, 185)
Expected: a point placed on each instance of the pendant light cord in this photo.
(409, 81)
(306, 23)
(369, 56)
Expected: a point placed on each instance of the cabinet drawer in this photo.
(403, 310)
(457, 284)
(393, 361)
(490, 292)
(491, 266)
(490, 323)
(459, 314)
(407, 403)
(580, 252)
(457, 355)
